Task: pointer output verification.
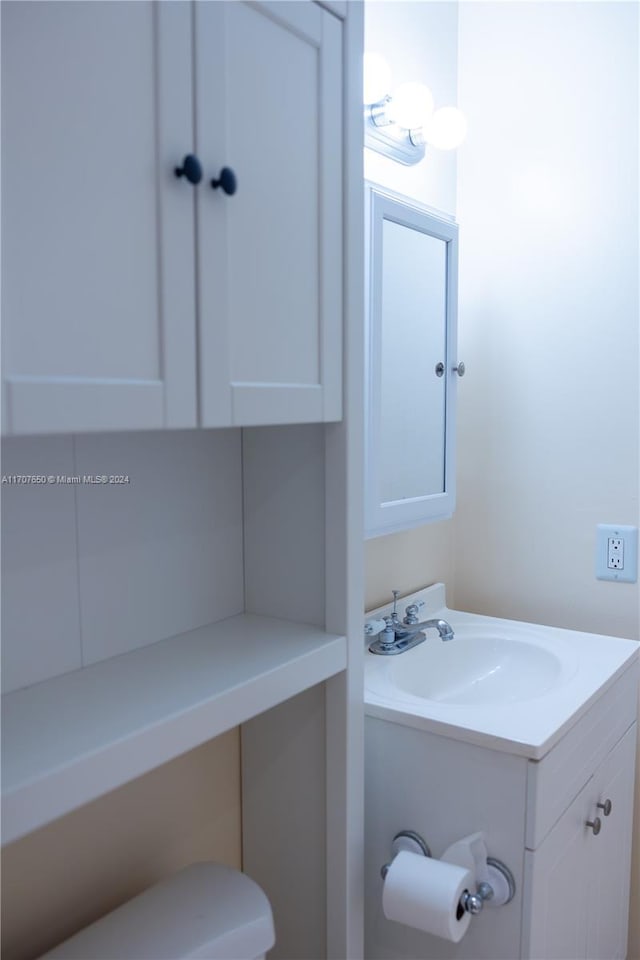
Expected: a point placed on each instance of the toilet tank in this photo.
(206, 911)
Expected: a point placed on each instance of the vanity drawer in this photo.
(554, 781)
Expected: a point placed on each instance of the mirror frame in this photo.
(391, 516)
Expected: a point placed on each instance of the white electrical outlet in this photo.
(617, 552)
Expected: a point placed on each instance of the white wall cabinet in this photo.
(101, 268)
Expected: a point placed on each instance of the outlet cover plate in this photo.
(628, 573)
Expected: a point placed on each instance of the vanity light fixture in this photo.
(400, 125)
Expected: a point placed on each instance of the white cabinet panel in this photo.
(268, 105)
(284, 522)
(97, 250)
(160, 554)
(444, 789)
(40, 622)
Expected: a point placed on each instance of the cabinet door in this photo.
(268, 105)
(609, 874)
(556, 904)
(577, 882)
(97, 231)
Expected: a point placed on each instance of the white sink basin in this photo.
(513, 686)
(479, 667)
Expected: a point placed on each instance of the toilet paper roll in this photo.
(425, 893)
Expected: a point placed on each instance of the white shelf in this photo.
(68, 740)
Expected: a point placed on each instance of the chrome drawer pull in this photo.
(596, 825)
(606, 807)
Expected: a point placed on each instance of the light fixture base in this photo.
(389, 139)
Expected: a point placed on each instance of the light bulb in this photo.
(376, 78)
(411, 106)
(446, 129)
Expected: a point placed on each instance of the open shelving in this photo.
(73, 738)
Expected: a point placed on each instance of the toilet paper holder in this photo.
(495, 883)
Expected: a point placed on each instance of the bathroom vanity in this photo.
(525, 733)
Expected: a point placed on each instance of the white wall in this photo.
(548, 412)
(419, 42)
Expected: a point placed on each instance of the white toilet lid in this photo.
(206, 911)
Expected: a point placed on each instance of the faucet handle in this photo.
(373, 627)
(411, 612)
(393, 616)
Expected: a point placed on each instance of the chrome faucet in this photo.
(393, 637)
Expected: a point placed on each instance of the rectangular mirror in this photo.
(411, 328)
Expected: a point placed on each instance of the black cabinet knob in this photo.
(227, 181)
(191, 169)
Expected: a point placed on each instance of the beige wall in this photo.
(62, 877)
(408, 561)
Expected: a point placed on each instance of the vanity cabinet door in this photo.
(577, 882)
(608, 900)
(556, 901)
(98, 297)
(269, 269)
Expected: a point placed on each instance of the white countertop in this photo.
(530, 727)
